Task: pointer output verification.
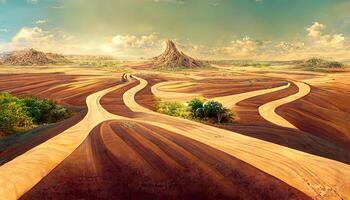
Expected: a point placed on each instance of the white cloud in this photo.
(316, 33)
(290, 46)
(132, 41)
(35, 37)
(242, 48)
(4, 30)
(41, 21)
(61, 42)
(317, 42)
(30, 35)
(315, 30)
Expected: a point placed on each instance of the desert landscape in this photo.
(171, 123)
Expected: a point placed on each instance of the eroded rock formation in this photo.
(173, 58)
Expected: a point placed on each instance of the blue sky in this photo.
(197, 24)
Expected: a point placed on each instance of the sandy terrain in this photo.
(22, 173)
(128, 160)
(267, 111)
(123, 149)
(299, 169)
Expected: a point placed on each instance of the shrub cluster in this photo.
(211, 110)
(176, 109)
(315, 63)
(19, 114)
(197, 109)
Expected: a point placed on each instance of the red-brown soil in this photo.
(113, 101)
(211, 88)
(53, 86)
(126, 160)
(27, 143)
(250, 123)
(324, 113)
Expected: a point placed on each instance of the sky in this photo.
(210, 29)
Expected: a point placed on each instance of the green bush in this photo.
(213, 108)
(20, 114)
(194, 105)
(335, 64)
(45, 111)
(172, 108)
(13, 117)
(197, 109)
(200, 113)
(32, 108)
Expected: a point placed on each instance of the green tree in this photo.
(13, 117)
(214, 109)
(194, 105)
(200, 113)
(20, 114)
(33, 109)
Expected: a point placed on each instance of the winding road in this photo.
(22, 173)
(318, 177)
(268, 110)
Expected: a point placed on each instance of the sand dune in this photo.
(318, 177)
(26, 170)
(314, 175)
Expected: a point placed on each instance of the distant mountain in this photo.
(31, 57)
(173, 58)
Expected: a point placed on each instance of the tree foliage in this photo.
(172, 108)
(197, 109)
(18, 114)
(194, 105)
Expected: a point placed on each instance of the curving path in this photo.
(268, 110)
(231, 100)
(173, 96)
(22, 173)
(228, 101)
(316, 176)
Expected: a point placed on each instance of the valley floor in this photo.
(119, 148)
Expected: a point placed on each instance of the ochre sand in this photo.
(268, 110)
(294, 167)
(314, 175)
(26, 170)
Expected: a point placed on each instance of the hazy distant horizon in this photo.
(214, 29)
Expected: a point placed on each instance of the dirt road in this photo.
(314, 175)
(22, 173)
(268, 110)
(155, 146)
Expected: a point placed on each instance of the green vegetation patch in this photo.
(21, 114)
(197, 109)
(176, 109)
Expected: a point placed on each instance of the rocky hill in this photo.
(31, 57)
(321, 63)
(173, 58)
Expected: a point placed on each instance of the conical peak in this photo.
(173, 58)
(171, 46)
